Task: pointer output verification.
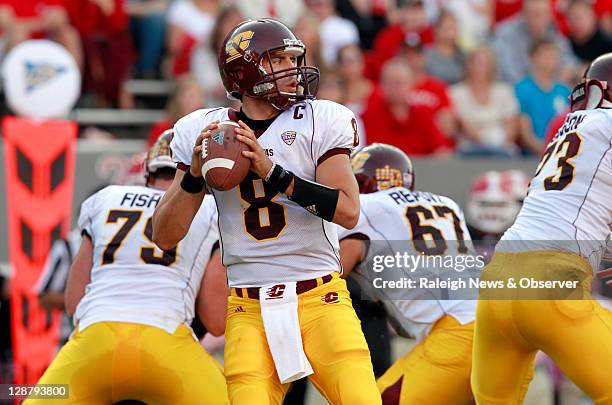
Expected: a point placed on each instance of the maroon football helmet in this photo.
(241, 63)
(595, 91)
(380, 166)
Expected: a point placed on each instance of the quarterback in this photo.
(559, 234)
(133, 303)
(289, 312)
(437, 370)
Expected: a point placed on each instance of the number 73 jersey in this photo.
(132, 280)
(569, 203)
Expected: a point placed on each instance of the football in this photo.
(224, 166)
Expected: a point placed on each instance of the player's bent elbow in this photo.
(161, 243)
(348, 218)
(162, 239)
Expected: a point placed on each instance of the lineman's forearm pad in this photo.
(316, 198)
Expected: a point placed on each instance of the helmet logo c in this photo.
(241, 41)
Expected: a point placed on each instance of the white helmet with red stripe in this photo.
(495, 199)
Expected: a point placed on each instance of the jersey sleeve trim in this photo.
(216, 246)
(182, 166)
(333, 152)
(357, 236)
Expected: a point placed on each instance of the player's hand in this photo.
(260, 162)
(196, 158)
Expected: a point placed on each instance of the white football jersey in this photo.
(396, 220)
(132, 280)
(569, 203)
(265, 237)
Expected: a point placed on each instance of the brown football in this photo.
(224, 166)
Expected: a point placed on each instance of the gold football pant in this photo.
(575, 334)
(436, 371)
(332, 339)
(113, 361)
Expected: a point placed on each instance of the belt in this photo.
(301, 287)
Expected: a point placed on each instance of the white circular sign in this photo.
(41, 79)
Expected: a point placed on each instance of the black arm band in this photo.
(280, 178)
(192, 184)
(318, 199)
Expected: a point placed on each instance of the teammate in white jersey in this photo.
(276, 231)
(559, 237)
(134, 302)
(395, 218)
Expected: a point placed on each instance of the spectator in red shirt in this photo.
(186, 98)
(388, 43)
(389, 117)
(35, 19)
(505, 9)
(428, 92)
(104, 31)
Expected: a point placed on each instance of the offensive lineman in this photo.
(560, 234)
(276, 234)
(437, 370)
(134, 303)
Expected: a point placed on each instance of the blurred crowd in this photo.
(433, 77)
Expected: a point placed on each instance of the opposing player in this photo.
(559, 235)
(133, 303)
(278, 240)
(396, 218)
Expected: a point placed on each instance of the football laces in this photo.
(204, 148)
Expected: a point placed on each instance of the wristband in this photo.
(316, 198)
(192, 184)
(280, 178)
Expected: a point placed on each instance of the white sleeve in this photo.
(335, 130)
(88, 211)
(186, 131)
(181, 150)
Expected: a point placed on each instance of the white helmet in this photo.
(495, 199)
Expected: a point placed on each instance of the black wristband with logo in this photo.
(280, 178)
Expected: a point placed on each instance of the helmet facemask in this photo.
(307, 78)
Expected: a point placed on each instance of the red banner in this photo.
(39, 157)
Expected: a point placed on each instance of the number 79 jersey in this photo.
(569, 203)
(265, 237)
(132, 280)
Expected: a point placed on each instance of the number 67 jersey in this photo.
(132, 280)
(569, 203)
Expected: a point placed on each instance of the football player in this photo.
(278, 240)
(395, 217)
(559, 236)
(133, 303)
(494, 200)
